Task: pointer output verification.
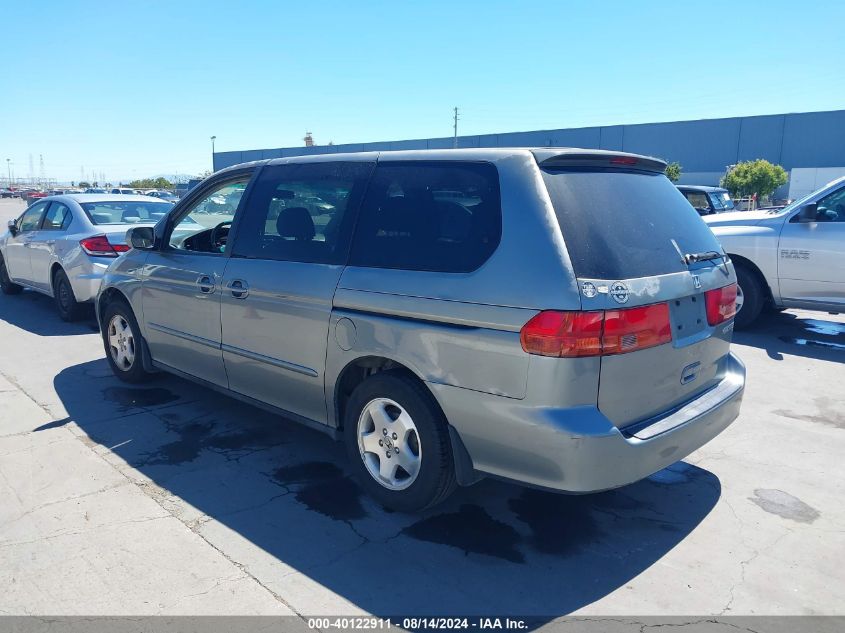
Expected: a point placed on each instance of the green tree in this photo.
(84, 185)
(151, 183)
(754, 177)
(673, 171)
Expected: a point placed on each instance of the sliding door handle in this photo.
(239, 288)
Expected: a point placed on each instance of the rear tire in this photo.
(425, 446)
(752, 297)
(7, 286)
(66, 303)
(123, 343)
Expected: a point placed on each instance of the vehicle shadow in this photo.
(780, 333)
(36, 313)
(300, 522)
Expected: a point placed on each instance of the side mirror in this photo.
(141, 237)
(809, 213)
(13, 227)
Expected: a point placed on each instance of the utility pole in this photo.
(213, 138)
(9, 168)
(455, 126)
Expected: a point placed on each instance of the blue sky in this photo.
(137, 88)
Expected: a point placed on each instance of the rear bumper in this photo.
(86, 279)
(578, 449)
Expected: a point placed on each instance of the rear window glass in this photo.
(620, 224)
(443, 216)
(125, 212)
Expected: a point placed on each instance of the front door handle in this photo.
(205, 284)
(239, 288)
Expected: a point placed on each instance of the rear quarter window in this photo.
(620, 224)
(430, 216)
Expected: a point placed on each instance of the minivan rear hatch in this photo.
(627, 231)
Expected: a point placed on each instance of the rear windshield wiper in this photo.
(706, 256)
(692, 258)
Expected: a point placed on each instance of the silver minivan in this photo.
(556, 317)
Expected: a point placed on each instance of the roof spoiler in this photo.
(598, 158)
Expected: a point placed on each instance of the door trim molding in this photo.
(281, 364)
(184, 335)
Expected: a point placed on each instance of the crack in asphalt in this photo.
(79, 532)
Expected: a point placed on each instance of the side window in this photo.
(57, 218)
(698, 199)
(443, 216)
(204, 226)
(831, 208)
(302, 212)
(32, 217)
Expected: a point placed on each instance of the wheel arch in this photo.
(739, 260)
(359, 369)
(107, 296)
(55, 267)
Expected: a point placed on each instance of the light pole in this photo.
(212, 152)
(9, 167)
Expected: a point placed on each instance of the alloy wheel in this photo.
(389, 444)
(121, 342)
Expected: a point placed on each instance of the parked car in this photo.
(62, 245)
(164, 195)
(95, 190)
(792, 257)
(31, 196)
(8, 193)
(446, 341)
(125, 192)
(707, 200)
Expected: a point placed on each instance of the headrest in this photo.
(296, 223)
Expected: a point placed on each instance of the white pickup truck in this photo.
(790, 258)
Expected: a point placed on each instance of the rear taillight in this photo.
(721, 304)
(572, 334)
(568, 334)
(99, 246)
(636, 328)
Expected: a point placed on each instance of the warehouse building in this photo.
(809, 145)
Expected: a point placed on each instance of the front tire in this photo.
(123, 343)
(68, 307)
(752, 298)
(397, 440)
(7, 286)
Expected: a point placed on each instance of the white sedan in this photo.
(62, 245)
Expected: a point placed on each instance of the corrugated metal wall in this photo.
(704, 148)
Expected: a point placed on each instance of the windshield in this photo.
(722, 200)
(133, 212)
(797, 203)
